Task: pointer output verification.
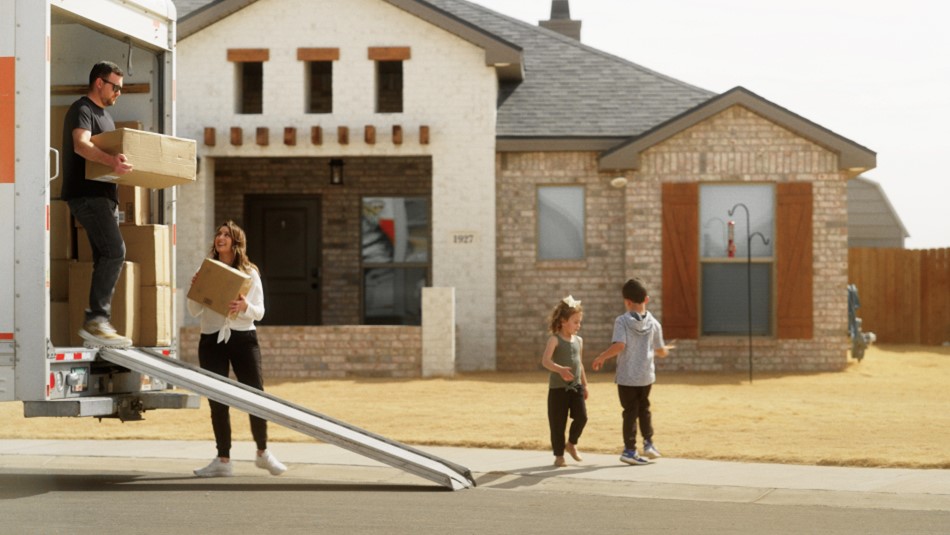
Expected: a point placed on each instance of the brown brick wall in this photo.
(340, 207)
(528, 289)
(329, 352)
(624, 240)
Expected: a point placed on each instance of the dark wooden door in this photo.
(283, 239)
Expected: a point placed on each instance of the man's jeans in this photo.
(100, 217)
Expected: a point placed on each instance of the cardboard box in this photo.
(158, 161)
(59, 323)
(60, 231)
(155, 316)
(217, 285)
(125, 301)
(134, 207)
(59, 279)
(146, 245)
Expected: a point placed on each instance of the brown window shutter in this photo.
(680, 260)
(793, 258)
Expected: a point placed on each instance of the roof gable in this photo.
(505, 56)
(852, 157)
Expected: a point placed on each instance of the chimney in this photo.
(561, 20)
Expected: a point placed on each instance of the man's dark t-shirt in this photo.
(85, 114)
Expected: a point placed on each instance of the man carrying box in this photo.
(95, 204)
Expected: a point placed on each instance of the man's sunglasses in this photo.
(116, 88)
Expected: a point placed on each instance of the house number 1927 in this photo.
(464, 238)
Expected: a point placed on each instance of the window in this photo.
(726, 280)
(250, 86)
(318, 73)
(560, 223)
(248, 78)
(320, 87)
(395, 252)
(389, 87)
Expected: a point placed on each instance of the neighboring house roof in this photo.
(872, 219)
(571, 95)
(852, 157)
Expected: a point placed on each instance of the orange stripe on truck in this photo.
(7, 118)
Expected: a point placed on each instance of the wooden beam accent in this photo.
(237, 136)
(316, 135)
(290, 136)
(423, 135)
(318, 54)
(248, 54)
(397, 135)
(82, 89)
(369, 134)
(389, 53)
(263, 136)
(210, 136)
(343, 135)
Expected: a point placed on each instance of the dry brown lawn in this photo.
(891, 409)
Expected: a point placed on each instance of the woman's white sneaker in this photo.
(216, 469)
(266, 461)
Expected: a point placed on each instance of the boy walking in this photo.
(637, 338)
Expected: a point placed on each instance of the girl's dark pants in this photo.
(243, 354)
(561, 403)
(635, 401)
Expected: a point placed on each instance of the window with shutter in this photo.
(794, 261)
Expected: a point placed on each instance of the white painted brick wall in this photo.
(447, 86)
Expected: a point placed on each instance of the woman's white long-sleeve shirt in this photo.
(212, 322)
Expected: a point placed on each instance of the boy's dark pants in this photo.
(635, 401)
(562, 402)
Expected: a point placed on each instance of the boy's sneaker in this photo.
(267, 461)
(632, 457)
(649, 450)
(99, 332)
(216, 469)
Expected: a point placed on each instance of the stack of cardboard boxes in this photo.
(142, 303)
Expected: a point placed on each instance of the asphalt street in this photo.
(148, 487)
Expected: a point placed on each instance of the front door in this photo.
(283, 239)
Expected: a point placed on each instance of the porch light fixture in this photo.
(336, 172)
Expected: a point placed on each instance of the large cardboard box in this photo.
(155, 316)
(59, 323)
(158, 161)
(217, 285)
(59, 279)
(134, 208)
(146, 245)
(125, 301)
(60, 231)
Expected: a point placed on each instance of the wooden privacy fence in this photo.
(905, 293)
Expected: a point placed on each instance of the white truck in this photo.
(47, 48)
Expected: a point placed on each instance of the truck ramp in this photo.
(271, 408)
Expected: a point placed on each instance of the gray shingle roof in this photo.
(570, 90)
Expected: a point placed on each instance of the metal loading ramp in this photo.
(261, 404)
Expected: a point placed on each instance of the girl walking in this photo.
(567, 386)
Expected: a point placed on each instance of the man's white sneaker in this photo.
(267, 461)
(100, 333)
(216, 469)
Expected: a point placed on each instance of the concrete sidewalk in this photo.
(518, 470)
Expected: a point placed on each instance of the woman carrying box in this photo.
(232, 341)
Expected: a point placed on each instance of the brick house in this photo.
(392, 156)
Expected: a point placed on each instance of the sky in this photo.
(876, 72)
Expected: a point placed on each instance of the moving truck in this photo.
(47, 48)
